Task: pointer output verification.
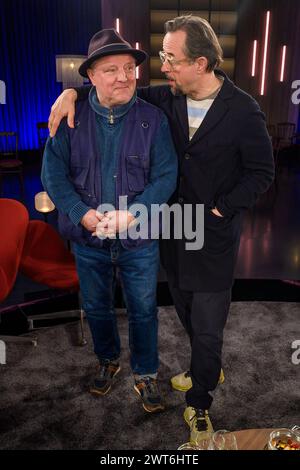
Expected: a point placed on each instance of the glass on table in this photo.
(188, 446)
(204, 443)
(284, 439)
(224, 440)
(296, 429)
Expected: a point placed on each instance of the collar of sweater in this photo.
(109, 113)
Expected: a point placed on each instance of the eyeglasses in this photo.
(165, 57)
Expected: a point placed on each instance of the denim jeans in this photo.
(138, 271)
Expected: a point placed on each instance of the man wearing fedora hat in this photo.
(121, 147)
(226, 163)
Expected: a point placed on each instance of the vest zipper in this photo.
(111, 116)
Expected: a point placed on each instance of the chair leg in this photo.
(51, 316)
(82, 341)
(58, 315)
(20, 339)
(79, 313)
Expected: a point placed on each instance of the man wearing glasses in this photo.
(121, 147)
(225, 163)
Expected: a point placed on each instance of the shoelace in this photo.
(201, 424)
(105, 369)
(151, 386)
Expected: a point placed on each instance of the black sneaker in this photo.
(147, 389)
(104, 378)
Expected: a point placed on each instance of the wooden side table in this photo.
(252, 439)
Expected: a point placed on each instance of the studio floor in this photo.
(45, 402)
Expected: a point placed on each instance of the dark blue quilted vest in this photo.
(140, 126)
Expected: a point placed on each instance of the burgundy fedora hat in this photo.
(109, 42)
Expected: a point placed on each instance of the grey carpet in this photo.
(44, 403)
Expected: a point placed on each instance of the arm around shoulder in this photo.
(64, 106)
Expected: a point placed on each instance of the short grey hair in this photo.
(201, 40)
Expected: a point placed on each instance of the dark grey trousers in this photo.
(203, 315)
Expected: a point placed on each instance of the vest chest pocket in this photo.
(135, 170)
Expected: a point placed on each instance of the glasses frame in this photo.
(165, 57)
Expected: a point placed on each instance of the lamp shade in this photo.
(43, 203)
(67, 70)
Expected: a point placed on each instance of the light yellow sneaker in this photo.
(221, 378)
(199, 424)
(183, 381)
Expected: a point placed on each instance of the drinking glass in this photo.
(188, 446)
(224, 440)
(204, 443)
(284, 439)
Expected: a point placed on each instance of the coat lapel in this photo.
(181, 114)
(217, 110)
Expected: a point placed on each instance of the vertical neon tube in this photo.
(266, 44)
(118, 24)
(137, 76)
(254, 58)
(282, 70)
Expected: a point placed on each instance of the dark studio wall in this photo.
(134, 26)
(32, 32)
(284, 29)
(135, 22)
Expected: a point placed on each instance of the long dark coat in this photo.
(227, 164)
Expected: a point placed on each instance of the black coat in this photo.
(227, 164)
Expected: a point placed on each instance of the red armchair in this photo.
(45, 258)
(14, 221)
(38, 251)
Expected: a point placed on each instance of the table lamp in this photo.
(43, 204)
(67, 70)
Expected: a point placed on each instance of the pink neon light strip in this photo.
(254, 58)
(137, 76)
(282, 63)
(266, 44)
(118, 24)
